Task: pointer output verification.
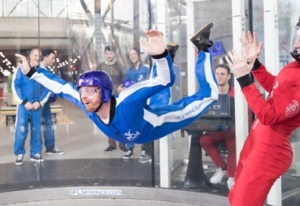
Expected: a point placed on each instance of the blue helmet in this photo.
(127, 83)
(99, 79)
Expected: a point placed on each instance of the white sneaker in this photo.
(128, 154)
(230, 182)
(36, 158)
(143, 153)
(19, 160)
(218, 176)
(146, 158)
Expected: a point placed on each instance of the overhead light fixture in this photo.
(6, 73)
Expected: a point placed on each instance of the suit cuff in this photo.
(160, 56)
(244, 81)
(256, 65)
(31, 72)
(24, 101)
(41, 104)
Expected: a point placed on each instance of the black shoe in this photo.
(201, 38)
(110, 149)
(19, 160)
(172, 48)
(54, 151)
(36, 158)
(128, 154)
(124, 149)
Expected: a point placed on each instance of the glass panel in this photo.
(44, 8)
(101, 35)
(288, 15)
(258, 24)
(33, 9)
(92, 35)
(176, 29)
(1, 8)
(59, 8)
(196, 150)
(16, 8)
(18, 126)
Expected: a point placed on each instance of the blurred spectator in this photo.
(48, 59)
(137, 72)
(113, 68)
(209, 139)
(30, 96)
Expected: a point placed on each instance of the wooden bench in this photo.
(10, 112)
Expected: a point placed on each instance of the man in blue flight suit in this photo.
(128, 118)
(30, 96)
(48, 59)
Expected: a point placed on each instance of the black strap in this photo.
(99, 107)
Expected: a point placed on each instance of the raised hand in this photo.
(238, 66)
(156, 44)
(250, 49)
(25, 68)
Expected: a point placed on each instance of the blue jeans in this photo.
(21, 131)
(129, 145)
(48, 127)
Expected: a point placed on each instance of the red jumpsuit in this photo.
(267, 152)
(208, 140)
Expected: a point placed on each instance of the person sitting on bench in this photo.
(209, 139)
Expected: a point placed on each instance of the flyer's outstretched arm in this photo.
(52, 82)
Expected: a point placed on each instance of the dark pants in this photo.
(113, 143)
(48, 127)
(148, 148)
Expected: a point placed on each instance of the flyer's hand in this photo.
(250, 49)
(24, 65)
(156, 43)
(238, 66)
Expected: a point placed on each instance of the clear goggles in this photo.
(88, 91)
(295, 42)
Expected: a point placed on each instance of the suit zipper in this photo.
(118, 133)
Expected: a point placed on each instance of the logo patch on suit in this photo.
(292, 108)
(275, 85)
(131, 136)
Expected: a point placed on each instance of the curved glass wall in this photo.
(85, 35)
(99, 34)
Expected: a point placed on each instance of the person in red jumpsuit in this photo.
(208, 140)
(267, 152)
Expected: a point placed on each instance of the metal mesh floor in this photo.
(102, 202)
